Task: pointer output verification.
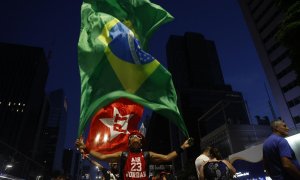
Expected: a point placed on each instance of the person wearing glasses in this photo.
(134, 163)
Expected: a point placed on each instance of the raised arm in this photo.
(158, 158)
(105, 157)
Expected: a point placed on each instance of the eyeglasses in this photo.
(135, 136)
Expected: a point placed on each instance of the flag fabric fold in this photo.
(113, 65)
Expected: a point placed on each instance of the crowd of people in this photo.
(134, 163)
(279, 159)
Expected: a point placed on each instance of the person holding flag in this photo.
(119, 79)
(134, 162)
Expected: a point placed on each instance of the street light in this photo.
(8, 166)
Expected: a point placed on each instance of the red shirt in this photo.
(135, 167)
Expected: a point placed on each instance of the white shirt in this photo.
(200, 161)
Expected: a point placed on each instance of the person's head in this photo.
(206, 151)
(215, 153)
(279, 127)
(135, 140)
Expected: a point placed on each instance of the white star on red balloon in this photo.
(109, 122)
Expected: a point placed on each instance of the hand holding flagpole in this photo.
(81, 147)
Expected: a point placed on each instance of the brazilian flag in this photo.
(141, 16)
(112, 65)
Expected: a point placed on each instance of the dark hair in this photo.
(207, 149)
(215, 153)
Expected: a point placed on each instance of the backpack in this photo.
(216, 170)
(123, 160)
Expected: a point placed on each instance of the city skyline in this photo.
(55, 27)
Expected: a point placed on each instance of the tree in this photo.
(289, 31)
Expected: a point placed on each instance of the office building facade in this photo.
(263, 19)
(23, 75)
(198, 79)
(52, 143)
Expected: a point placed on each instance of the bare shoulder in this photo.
(226, 162)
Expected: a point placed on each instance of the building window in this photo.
(271, 34)
(280, 58)
(297, 119)
(284, 72)
(269, 21)
(275, 46)
(263, 12)
(293, 102)
(256, 7)
(289, 86)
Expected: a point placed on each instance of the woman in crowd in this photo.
(216, 167)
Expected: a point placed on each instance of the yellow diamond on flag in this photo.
(130, 63)
(131, 75)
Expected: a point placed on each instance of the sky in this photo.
(55, 24)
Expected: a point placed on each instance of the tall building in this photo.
(194, 63)
(67, 161)
(23, 75)
(198, 79)
(263, 19)
(54, 133)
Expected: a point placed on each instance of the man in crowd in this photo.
(202, 159)
(134, 163)
(279, 159)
